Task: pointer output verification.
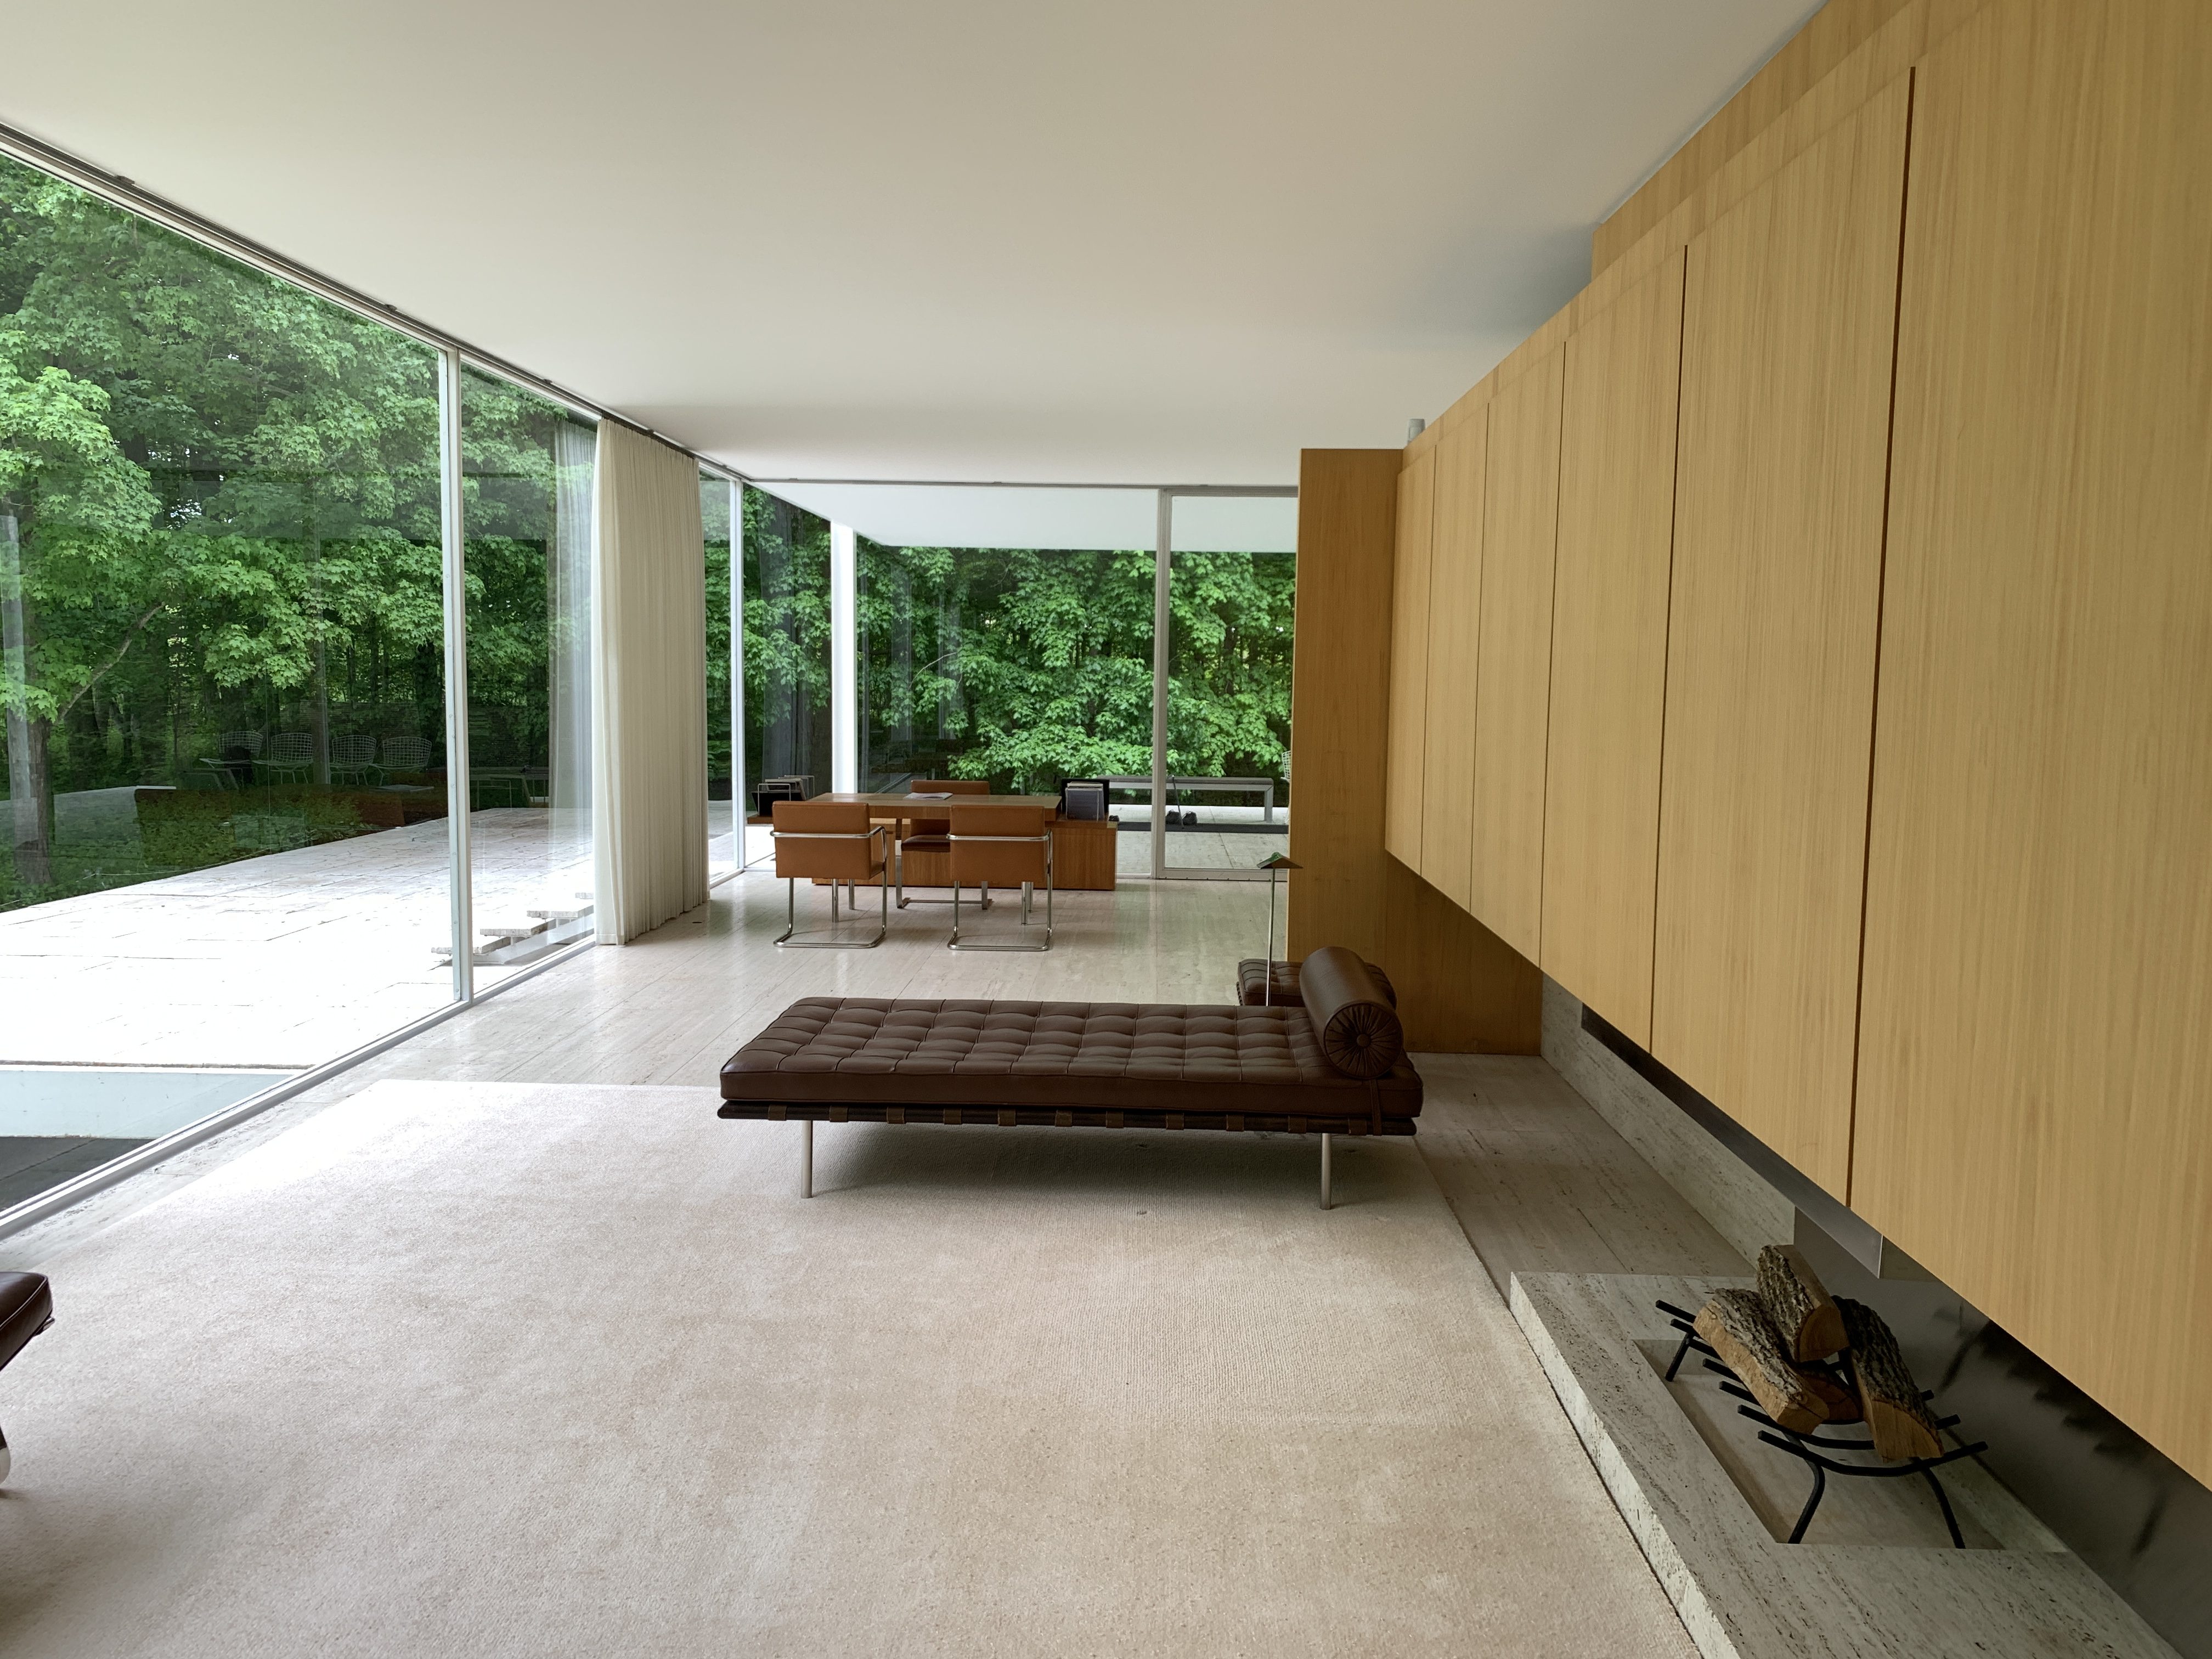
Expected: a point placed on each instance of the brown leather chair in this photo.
(830, 841)
(1009, 846)
(928, 834)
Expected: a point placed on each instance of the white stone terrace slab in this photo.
(274, 962)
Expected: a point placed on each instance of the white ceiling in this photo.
(953, 515)
(1154, 241)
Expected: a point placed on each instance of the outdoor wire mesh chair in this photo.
(407, 754)
(353, 758)
(932, 835)
(288, 756)
(830, 841)
(1009, 845)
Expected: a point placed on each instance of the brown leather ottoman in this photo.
(26, 1307)
(1335, 1066)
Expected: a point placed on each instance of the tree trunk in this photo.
(1901, 1422)
(30, 786)
(1798, 1304)
(1733, 1323)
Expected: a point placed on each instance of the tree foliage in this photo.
(1029, 666)
(225, 498)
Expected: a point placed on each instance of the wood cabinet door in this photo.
(1513, 659)
(1409, 661)
(1622, 380)
(1788, 334)
(1455, 623)
(2035, 1060)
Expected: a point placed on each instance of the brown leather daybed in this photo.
(1334, 1066)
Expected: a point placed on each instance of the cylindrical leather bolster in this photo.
(1356, 1027)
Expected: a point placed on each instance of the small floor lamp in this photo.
(1275, 866)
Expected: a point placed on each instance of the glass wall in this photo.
(1030, 665)
(1233, 594)
(1021, 665)
(222, 678)
(527, 498)
(785, 558)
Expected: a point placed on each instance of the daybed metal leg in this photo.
(1325, 1200)
(806, 1158)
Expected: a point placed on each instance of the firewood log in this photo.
(1842, 1402)
(1734, 1325)
(1798, 1304)
(1900, 1419)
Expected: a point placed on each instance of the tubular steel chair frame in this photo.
(785, 940)
(955, 793)
(898, 878)
(1045, 839)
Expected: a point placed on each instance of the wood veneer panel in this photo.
(1513, 662)
(2035, 1060)
(1900, 30)
(1608, 683)
(1409, 658)
(1461, 990)
(1455, 621)
(1340, 698)
(1828, 36)
(1789, 328)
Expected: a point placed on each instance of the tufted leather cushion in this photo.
(1251, 984)
(1358, 1028)
(1118, 1056)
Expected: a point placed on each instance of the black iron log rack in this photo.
(1809, 1448)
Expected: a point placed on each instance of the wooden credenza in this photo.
(1082, 860)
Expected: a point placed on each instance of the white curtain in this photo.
(649, 696)
(569, 612)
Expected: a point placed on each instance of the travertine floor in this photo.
(1536, 1179)
(494, 1369)
(279, 962)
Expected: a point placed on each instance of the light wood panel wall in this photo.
(1454, 638)
(2035, 1065)
(1616, 542)
(2035, 924)
(1461, 990)
(1409, 658)
(1513, 659)
(1788, 327)
(1829, 38)
(1888, 52)
(1340, 698)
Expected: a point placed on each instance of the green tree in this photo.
(224, 495)
(1030, 666)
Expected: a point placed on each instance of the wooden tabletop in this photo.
(910, 804)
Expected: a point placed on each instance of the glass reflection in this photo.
(527, 467)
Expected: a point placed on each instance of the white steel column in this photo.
(737, 794)
(844, 660)
(1163, 541)
(457, 673)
